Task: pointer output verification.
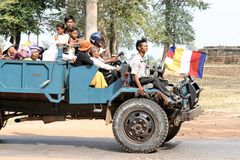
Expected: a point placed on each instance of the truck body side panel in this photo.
(81, 93)
(32, 77)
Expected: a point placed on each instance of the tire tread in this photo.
(150, 103)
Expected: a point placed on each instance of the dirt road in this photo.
(214, 135)
(77, 148)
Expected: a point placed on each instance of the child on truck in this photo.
(35, 53)
(61, 38)
(74, 40)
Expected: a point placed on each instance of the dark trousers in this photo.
(159, 84)
(111, 76)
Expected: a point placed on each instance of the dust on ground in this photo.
(212, 124)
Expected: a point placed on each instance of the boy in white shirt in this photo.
(140, 77)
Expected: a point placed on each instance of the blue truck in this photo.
(56, 91)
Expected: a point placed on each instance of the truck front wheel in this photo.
(140, 125)
(172, 132)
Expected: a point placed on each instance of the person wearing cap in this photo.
(22, 53)
(98, 61)
(97, 40)
(35, 54)
(9, 51)
(35, 51)
(83, 57)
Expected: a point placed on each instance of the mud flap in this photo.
(108, 118)
(190, 90)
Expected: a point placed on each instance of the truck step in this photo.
(97, 109)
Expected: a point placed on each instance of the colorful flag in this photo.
(185, 61)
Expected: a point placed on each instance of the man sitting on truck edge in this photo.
(140, 78)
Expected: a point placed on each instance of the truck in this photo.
(56, 91)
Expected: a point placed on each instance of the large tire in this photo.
(140, 125)
(172, 132)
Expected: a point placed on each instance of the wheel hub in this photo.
(139, 126)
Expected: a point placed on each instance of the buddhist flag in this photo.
(185, 61)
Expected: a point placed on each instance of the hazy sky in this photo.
(219, 25)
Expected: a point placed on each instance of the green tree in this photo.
(74, 8)
(162, 22)
(121, 21)
(17, 16)
(171, 23)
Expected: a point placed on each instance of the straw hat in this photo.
(84, 45)
(6, 46)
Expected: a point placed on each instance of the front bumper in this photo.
(191, 114)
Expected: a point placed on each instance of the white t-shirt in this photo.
(62, 39)
(52, 51)
(138, 65)
(100, 64)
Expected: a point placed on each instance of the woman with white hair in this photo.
(8, 51)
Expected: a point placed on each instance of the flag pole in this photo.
(165, 50)
(163, 61)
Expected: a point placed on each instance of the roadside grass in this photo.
(221, 87)
(216, 98)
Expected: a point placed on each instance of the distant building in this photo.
(222, 54)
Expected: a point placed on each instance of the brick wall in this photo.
(222, 54)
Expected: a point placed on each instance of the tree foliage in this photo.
(162, 22)
(74, 8)
(171, 23)
(121, 21)
(17, 16)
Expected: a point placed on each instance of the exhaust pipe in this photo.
(45, 119)
(23, 119)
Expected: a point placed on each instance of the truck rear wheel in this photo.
(172, 132)
(140, 125)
